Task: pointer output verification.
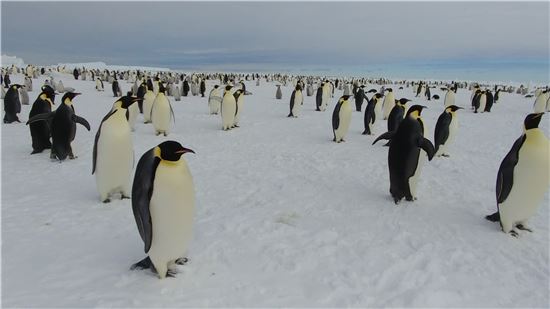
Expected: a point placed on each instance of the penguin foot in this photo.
(396, 200)
(123, 196)
(409, 198)
(171, 273)
(165, 134)
(72, 156)
(143, 264)
(524, 228)
(182, 261)
(107, 200)
(445, 155)
(36, 151)
(514, 233)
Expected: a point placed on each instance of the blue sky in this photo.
(179, 34)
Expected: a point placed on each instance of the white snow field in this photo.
(285, 217)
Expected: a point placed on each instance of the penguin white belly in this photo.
(453, 127)
(160, 114)
(482, 103)
(389, 103)
(148, 100)
(345, 119)
(297, 103)
(378, 110)
(115, 157)
(214, 104)
(228, 113)
(449, 98)
(133, 111)
(325, 98)
(531, 181)
(172, 209)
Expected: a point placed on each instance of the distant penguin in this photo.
(522, 178)
(341, 118)
(142, 89)
(12, 104)
(63, 127)
(23, 95)
(370, 113)
(449, 98)
(99, 84)
(309, 90)
(445, 130)
(163, 203)
(161, 112)
(489, 100)
(279, 93)
(228, 110)
(113, 154)
(185, 88)
(326, 95)
(202, 88)
(497, 94)
(319, 98)
(40, 130)
(116, 88)
(177, 94)
(482, 102)
(359, 96)
(148, 100)
(28, 83)
(214, 100)
(404, 154)
(296, 100)
(59, 87)
(239, 99)
(389, 103)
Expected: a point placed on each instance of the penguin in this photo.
(133, 111)
(185, 88)
(142, 89)
(326, 95)
(228, 110)
(63, 127)
(161, 112)
(397, 114)
(296, 101)
(214, 100)
(202, 88)
(475, 100)
(239, 99)
(113, 152)
(404, 154)
(540, 103)
(12, 104)
(116, 88)
(59, 87)
(449, 98)
(445, 130)
(359, 97)
(389, 103)
(481, 102)
(148, 100)
(370, 114)
(163, 203)
(99, 84)
(522, 178)
(489, 100)
(279, 93)
(40, 131)
(341, 118)
(28, 83)
(497, 93)
(319, 98)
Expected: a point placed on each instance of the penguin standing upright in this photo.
(63, 127)
(370, 113)
(163, 203)
(341, 118)
(239, 99)
(475, 100)
(214, 100)
(113, 154)
(185, 88)
(148, 100)
(389, 103)
(481, 102)
(326, 95)
(116, 88)
(319, 98)
(142, 89)
(202, 88)
(445, 130)
(229, 108)
(99, 84)
(359, 97)
(522, 178)
(278, 93)
(540, 103)
(296, 100)
(40, 131)
(404, 154)
(397, 114)
(133, 111)
(449, 98)
(12, 104)
(23, 95)
(161, 112)
(489, 100)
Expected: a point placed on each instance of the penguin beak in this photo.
(136, 99)
(184, 150)
(76, 93)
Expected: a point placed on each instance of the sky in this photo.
(179, 34)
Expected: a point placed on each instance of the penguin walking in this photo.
(12, 104)
(113, 154)
(341, 118)
(445, 130)
(40, 130)
(63, 127)
(389, 103)
(239, 99)
(522, 178)
(148, 100)
(214, 100)
(161, 112)
(370, 113)
(296, 101)
(278, 93)
(163, 203)
(229, 108)
(404, 154)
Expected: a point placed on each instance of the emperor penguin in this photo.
(482, 102)
(389, 103)
(229, 108)
(214, 100)
(445, 130)
(24, 95)
(239, 99)
(12, 104)
(133, 111)
(63, 127)
(148, 100)
(540, 103)
(522, 178)
(28, 83)
(99, 84)
(113, 154)
(296, 101)
(319, 97)
(326, 95)
(404, 154)
(161, 112)
(341, 118)
(40, 131)
(449, 98)
(163, 203)
(279, 93)
(489, 100)
(370, 114)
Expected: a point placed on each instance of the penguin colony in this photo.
(162, 192)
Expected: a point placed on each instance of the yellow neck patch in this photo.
(415, 114)
(157, 152)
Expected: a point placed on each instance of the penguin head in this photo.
(298, 87)
(126, 101)
(389, 90)
(216, 86)
(49, 92)
(345, 97)
(532, 121)
(68, 98)
(171, 151)
(15, 86)
(162, 89)
(402, 101)
(228, 88)
(377, 96)
(452, 108)
(415, 111)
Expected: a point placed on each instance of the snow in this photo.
(285, 217)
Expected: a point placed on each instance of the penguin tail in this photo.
(494, 217)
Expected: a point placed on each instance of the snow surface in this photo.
(285, 216)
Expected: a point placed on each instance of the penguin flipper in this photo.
(41, 117)
(505, 176)
(81, 121)
(427, 146)
(442, 130)
(142, 191)
(292, 101)
(336, 116)
(388, 135)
